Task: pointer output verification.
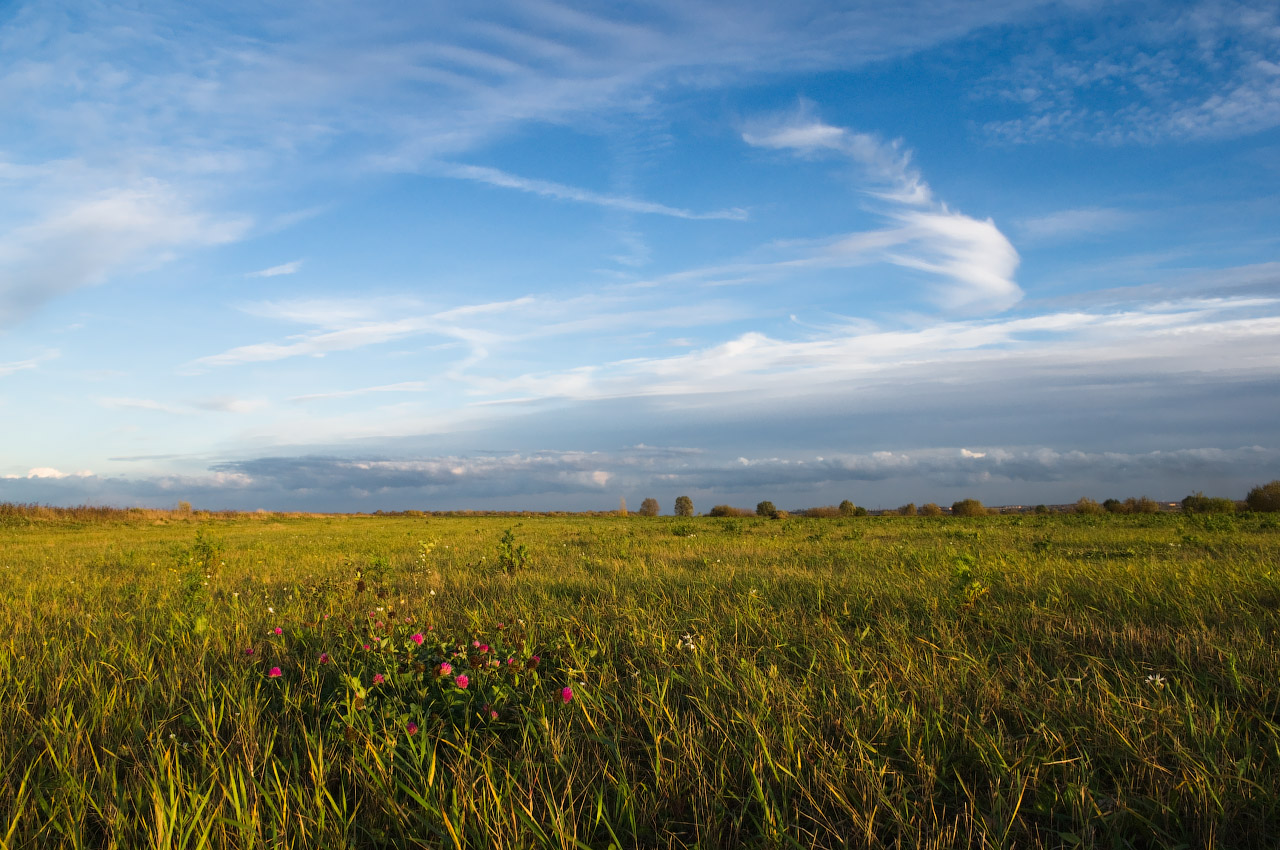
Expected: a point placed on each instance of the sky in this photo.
(344, 256)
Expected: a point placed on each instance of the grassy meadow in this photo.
(172, 680)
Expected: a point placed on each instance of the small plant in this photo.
(512, 556)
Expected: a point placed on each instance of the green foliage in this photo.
(1264, 497)
(766, 509)
(909, 509)
(1199, 503)
(848, 508)
(684, 506)
(649, 507)
(729, 510)
(930, 509)
(968, 507)
(512, 556)
(1087, 507)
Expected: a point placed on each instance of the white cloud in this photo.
(973, 256)
(283, 268)
(559, 191)
(1066, 224)
(86, 239)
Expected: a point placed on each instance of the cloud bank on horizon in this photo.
(547, 255)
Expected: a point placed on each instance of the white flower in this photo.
(270, 610)
(1157, 680)
(686, 642)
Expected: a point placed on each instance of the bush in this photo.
(1199, 503)
(825, 512)
(1141, 505)
(1087, 506)
(766, 509)
(848, 508)
(930, 509)
(730, 510)
(909, 509)
(1264, 497)
(649, 507)
(1113, 506)
(684, 506)
(968, 507)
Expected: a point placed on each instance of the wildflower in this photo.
(366, 646)
(484, 647)
(532, 662)
(475, 643)
(324, 658)
(326, 616)
(566, 693)
(274, 673)
(378, 678)
(462, 681)
(686, 642)
(277, 631)
(377, 625)
(418, 639)
(489, 710)
(270, 610)
(248, 650)
(511, 661)
(444, 669)
(411, 728)
(1157, 680)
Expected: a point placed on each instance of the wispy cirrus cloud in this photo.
(974, 257)
(291, 267)
(559, 191)
(1074, 223)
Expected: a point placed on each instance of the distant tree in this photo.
(1041, 509)
(184, 508)
(1199, 503)
(930, 509)
(1141, 505)
(909, 509)
(1264, 497)
(684, 506)
(848, 508)
(649, 507)
(1087, 506)
(766, 509)
(968, 507)
(1113, 506)
(729, 510)
(622, 506)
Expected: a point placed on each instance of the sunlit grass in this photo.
(930, 682)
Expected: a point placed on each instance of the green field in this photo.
(1015, 681)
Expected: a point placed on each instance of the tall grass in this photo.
(908, 682)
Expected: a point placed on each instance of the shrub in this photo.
(766, 509)
(909, 509)
(1264, 497)
(968, 507)
(1141, 505)
(1087, 507)
(848, 508)
(649, 507)
(512, 556)
(1113, 506)
(1199, 503)
(730, 510)
(684, 506)
(1041, 509)
(930, 509)
(824, 512)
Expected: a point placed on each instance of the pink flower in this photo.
(277, 630)
(475, 643)
(378, 679)
(431, 628)
(412, 728)
(274, 673)
(366, 646)
(484, 647)
(324, 658)
(249, 651)
(326, 616)
(489, 710)
(511, 661)
(501, 626)
(566, 694)
(418, 639)
(445, 668)
(378, 625)
(462, 681)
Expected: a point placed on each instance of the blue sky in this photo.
(343, 256)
